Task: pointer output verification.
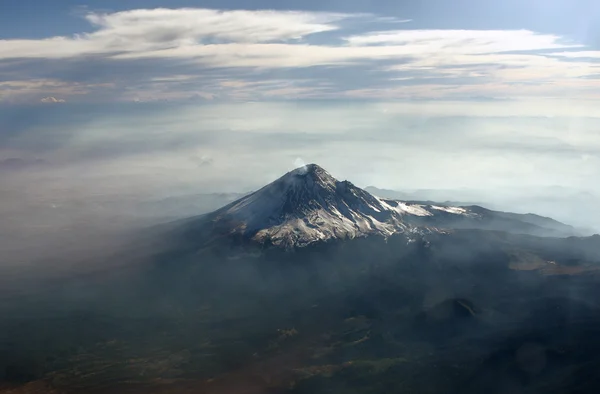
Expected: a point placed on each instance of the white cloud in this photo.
(391, 19)
(577, 54)
(168, 26)
(30, 90)
(506, 67)
(161, 29)
(52, 100)
(463, 41)
(273, 55)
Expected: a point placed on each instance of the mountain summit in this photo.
(307, 205)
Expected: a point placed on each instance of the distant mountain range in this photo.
(577, 208)
(421, 195)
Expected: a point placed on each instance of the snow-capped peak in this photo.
(313, 172)
(308, 204)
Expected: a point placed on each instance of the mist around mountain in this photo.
(313, 285)
(46, 225)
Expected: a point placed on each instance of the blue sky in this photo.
(226, 95)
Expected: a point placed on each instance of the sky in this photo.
(158, 98)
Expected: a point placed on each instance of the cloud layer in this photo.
(237, 147)
(178, 51)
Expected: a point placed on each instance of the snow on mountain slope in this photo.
(308, 205)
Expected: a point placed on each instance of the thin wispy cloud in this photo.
(463, 41)
(52, 100)
(577, 54)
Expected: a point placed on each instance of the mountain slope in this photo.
(308, 205)
(485, 219)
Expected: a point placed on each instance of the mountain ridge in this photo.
(308, 205)
(537, 204)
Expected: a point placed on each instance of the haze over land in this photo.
(309, 285)
(162, 230)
